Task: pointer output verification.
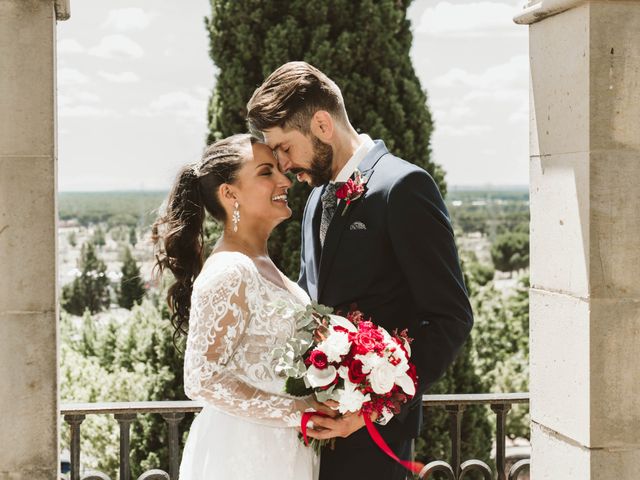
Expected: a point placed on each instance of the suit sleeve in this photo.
(423, 242)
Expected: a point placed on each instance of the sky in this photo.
(134, 78)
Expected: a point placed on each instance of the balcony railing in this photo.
(125, 414)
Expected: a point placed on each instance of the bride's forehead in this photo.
(259, 154)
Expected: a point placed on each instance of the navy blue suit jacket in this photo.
(402, 270)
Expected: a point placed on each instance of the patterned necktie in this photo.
(329, 204)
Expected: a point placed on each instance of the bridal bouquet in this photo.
(350, 360)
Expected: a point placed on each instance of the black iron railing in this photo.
(125, 414)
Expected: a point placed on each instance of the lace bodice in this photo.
(232, 331)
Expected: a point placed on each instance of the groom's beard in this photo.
(320, 170)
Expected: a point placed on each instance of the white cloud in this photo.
(463, 131)
(204, 92)
(64, 100)
(179, 104)
(86, 111)
(117, 46)
(69, 45)
(70, 76)
(122, 77)
(124, 19)
(479, 19)
(521, 115)
(514, 73)
(504, 95)
(86, 97)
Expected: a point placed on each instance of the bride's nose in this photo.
(283, 180)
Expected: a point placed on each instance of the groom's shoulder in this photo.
(392, 170)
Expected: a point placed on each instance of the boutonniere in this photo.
(352, 189)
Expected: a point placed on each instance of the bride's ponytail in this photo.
(178, 233)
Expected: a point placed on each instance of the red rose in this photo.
(367, 325)
(355, 372)
(350, 191)
(365, 342)
(319, 359)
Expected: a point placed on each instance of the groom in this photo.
(391, 251)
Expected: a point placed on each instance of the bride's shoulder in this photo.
(224, 269)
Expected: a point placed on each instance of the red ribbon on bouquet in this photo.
(414, 467)
(306, 416)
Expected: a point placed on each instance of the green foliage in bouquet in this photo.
(297, 387)
(288, 357)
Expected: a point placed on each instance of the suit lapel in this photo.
(340, 217)
(311, 243)
(316, 212)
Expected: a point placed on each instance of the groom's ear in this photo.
(322, 125)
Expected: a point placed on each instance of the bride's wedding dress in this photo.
(249, 427)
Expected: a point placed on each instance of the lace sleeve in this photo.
(220, 313)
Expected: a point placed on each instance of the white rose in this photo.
(382, 378)
(405, 383)
(321, 378)
(370, 361)
(350, 399)
(335, 345)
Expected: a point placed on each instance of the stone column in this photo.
(585, 238)
(28, 216)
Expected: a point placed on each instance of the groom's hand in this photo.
(324, 408)
(325, 428)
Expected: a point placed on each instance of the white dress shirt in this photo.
(365, 147)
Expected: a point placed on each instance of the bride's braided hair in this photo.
(178, 235)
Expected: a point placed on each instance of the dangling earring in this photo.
(236, 217)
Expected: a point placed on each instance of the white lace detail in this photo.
(232, 331)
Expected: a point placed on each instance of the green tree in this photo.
(133, 237)
(122, 359)
(99, 238)
(72, 238)
(476, 274)
(363, 46)
(510, 251)
(131, 285)
(501, 355)
(434, 442)
(90, 290)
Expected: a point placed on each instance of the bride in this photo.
(248, 428)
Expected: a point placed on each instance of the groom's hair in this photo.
(291, 96)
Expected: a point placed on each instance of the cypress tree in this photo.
(133, 237)
(131, 286)
(363, 46)
(99, 238)
(90, 290)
